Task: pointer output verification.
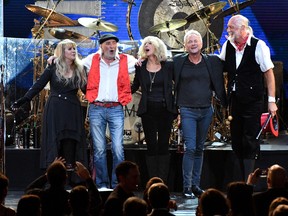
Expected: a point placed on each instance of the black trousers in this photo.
(245, 127)
(157, 124)
(68, 150)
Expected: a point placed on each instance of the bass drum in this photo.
(133, 130)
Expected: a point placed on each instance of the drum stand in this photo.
(2, 123)
(138, 128)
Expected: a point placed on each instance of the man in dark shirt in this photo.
(196, 77)
(127, 174)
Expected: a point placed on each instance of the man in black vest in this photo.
(248, 63)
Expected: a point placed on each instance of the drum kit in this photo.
(169, 31)
(200, 20)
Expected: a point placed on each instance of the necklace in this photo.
(152, 78)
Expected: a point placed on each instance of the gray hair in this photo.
(192, 32)
(240, 20)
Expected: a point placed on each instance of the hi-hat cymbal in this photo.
(168, 25)
(97, 24)
(205, 11)
(44, 12)
(60, 33)
(234, 9)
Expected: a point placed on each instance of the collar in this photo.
(117, 57)
(247, 43)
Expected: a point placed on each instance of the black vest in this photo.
(248, 77)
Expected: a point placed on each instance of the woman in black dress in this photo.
(63, 132)
(156, 106)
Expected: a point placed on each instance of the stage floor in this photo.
(275, 150)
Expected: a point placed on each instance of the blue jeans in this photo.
(99, 117)
(195, 124)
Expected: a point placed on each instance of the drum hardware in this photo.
(220, 126)
(60, 33)
(133, 130)
(167, 26)
(205, 12)
(157, 11)
(97, 24)
(26, 136)
(138, 128)
(128, 15)
(204, 15)
(2, 121)
(234, 8)
(51, 14)
(176, 39)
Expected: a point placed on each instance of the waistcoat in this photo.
(123, 80)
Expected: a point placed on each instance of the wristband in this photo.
(271, 99)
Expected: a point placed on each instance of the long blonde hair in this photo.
(79, 77)
(160, 48)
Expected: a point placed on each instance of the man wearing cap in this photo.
(108, 90)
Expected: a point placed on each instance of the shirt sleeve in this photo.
(87, 61)
(131, 63)
(262, 55)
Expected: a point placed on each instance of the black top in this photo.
(155, 86)
(142, 78)
(62, 117)
(114, 203)
(194, 79)
(215, 70)
(248, 77)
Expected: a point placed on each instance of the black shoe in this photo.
(187, 193)
(197, 190)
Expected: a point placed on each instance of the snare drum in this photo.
(133, 129)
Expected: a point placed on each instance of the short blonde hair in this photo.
(160, 48)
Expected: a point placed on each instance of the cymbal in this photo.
(168, 25)
(234, 9)
(60, 33)
(44, 12)
(97, 24)
(205, 11)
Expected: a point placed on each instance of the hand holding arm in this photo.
(51, 59)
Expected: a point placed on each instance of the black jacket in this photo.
(215, 69)
(141, 78)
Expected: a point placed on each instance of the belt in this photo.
(106, 104)
(200, 107)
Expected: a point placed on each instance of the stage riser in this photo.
(219, 167)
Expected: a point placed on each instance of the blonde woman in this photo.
(156, 107)
(63, 133)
